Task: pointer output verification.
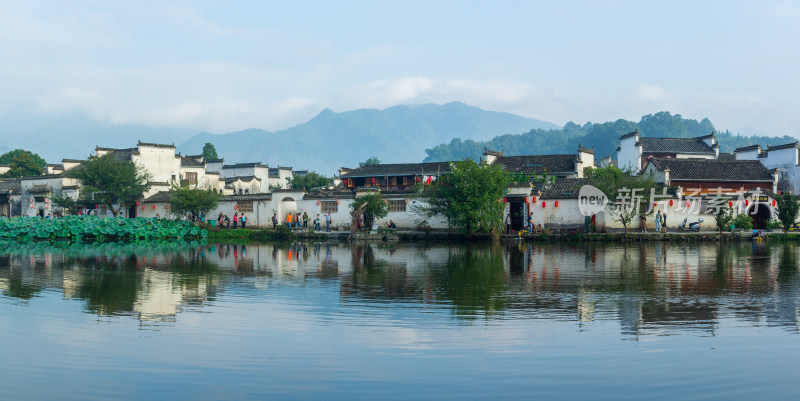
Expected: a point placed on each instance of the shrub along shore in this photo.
(92, 228)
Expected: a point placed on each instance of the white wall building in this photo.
(784, 158)
(634, 151)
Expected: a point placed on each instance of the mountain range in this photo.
(398, 134)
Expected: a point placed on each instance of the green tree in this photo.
(371, 160)
(468, 197)
(724, 219)
(374, 206)
(742, 221)
(192, 199)
(109, 180)
(625, 192)
(210, 152)
(66, 203)
(787, 210)
(22, 163)
(308, 181)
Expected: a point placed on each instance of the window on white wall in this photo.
(329, 206)
(397, 205)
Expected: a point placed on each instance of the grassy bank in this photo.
(281, 233)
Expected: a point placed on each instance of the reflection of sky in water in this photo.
(321, 321)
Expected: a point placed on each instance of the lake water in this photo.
(331, 321)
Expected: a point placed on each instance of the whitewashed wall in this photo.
(629, 155)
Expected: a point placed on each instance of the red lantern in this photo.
(137, 203)
(142, 207)
(406, 201)
(505, 200)
(556, 203)
(746, 202)
(687, 203)
(670, 202)
(534, 199)
(154, 206)
(655, 204)
(543, 203)
(730, 204)
(527, 200)
(166, 206)
(235, 207)
(774, 202)
(317, 202)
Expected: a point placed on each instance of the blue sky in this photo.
(225, 66)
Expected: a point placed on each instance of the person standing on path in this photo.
(275, 221)
(664, 223)
(235, 219)
(642, 223)
(243, 219)
(328, 222)
(530, 222)
(658, 222)
(317, 226)
(305, 220)
(289, 220)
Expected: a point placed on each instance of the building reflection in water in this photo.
(654, 288)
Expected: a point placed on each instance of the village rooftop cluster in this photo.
(690, 165)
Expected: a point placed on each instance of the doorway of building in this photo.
(287, 205)
(760, 215)
(516, 209)
(132, 212)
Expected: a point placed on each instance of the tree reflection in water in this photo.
(647, 288)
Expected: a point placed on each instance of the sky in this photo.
(228, 66)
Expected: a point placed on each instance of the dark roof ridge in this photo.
(155, 145)
(747, 148)
(784, 146)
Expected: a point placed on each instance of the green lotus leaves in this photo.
(98, 228)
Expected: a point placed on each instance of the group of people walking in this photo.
(295, 220)
(238, 220)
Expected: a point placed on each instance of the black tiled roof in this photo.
(380, 170)
(564, 188)
(242, 165)
(675, 145)
(538, 164)
(747, 148)
(156, 145)
(726, 156)
(161, 196)
(10, 186)
(784, 146)
(330, 195)
(190, 161)
(246, 178)
(39, 189)
(713, 170)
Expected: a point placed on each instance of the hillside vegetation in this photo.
(603, 137)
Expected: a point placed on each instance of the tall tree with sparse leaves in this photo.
(22, 163)
(109, 180)
(210, 152)
(625, 192)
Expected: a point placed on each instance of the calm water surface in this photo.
(331, 321)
